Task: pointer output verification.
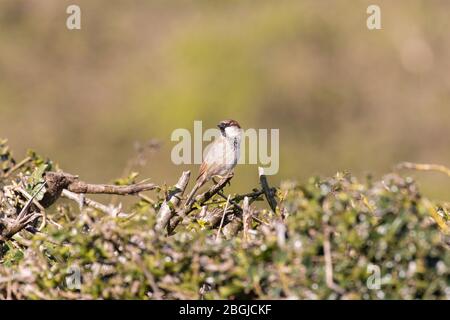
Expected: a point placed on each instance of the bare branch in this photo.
(37, 204)
(80, 199)
(58, 181)
(17, 225)
(223, 217)
(423, 167)
(252, 195)
(246, 218)
(172, 201)
(328, 261)
(238, 207)
(17, 167)
(83, 187)
(29, 202)
(201, 199)
(22, 220)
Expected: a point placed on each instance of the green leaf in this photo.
(36, 180)
(131, 179)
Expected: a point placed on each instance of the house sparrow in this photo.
(221, 155)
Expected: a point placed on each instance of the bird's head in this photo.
(229, 128)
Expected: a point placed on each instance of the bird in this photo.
(221, 156)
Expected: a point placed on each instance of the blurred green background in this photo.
(343, 97)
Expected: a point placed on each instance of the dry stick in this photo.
(58, 181)
(17, 167)
(246, 218)
(423, 167)
(267, 191)
(83, 187)
(166, 212)
(146, 199)
(238, 197)
(201, 199)
(328, 261)
(22, 219)
(254, 195)
(29, 202)
(223, 218)
(17, 226)
(72, 183)
(37, 204)
(91, 203)
(233, 202)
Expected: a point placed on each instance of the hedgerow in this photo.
(327, 238)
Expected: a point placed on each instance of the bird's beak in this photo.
(221, 126)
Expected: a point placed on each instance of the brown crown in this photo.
(228, 123)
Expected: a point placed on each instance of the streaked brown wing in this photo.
(207, 170)
(202, 170)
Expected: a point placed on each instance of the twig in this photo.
(267, 191)
(167, 210)
(328, 261)
(246, 218)
(17, 226)
(227, 198)
(423, 167)
(238, 207)
(223, 218)
(253, 195)
(17, 167)
(22, 220)
(79, 198)
(58, 181)
(29, 202)
(38, 205)
(146, 199)
(201, 199)
(83, 187)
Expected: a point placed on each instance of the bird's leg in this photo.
(229, 176)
